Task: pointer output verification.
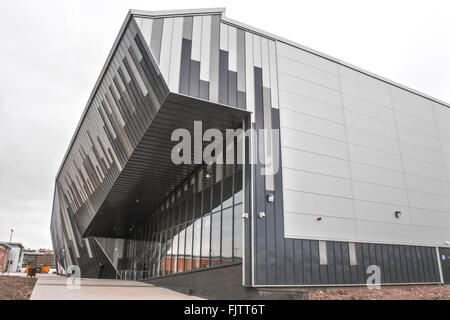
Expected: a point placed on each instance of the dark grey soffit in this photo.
(149, 175)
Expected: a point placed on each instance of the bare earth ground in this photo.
(16, 288)
(416, 292)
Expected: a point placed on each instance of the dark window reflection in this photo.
(227, 235)
(198, 226)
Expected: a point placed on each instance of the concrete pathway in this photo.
(53, 287)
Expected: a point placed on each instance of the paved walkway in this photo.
(53, 287)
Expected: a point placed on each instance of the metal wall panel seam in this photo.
(401, 161)
(355, 226)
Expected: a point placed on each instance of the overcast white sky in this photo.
(51, 53)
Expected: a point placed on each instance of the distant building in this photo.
(13, 257)
(3, 253)
(36, 258)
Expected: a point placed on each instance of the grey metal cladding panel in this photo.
(429, 274)
(59, 231)
(360, 263)
(345, 263)
(338, 262)
(379, 258)
(420, 264)
(187, 27)
(278, 213)
(409, 263)
(270, 241)
(127, 93)
(247, 209)
(241, 99)
(433, 264)
(155, 40)
(186, 48)
(214, 59)
(223, 77)
(307, 268)
(194, 79)
(204, 90)
(241, 61)
(315, 263)
(232, 88)
(260, 223)
(331, 263)
(290, 262)
(298, 262)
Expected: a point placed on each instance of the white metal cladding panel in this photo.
(356, 150)
(329, 228)
(316, 163)
(368, 108)
(316, 204)
(296, 102)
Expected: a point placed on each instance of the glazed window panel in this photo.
(206, 233)
(181, 256)
(227, 199)
(188, 248)
(197, 244)
(207, 201)
(238, 192)
(198, 225)
(227, 235)
(237, 232)
(215, 237)
(175, 247)
(217, 197)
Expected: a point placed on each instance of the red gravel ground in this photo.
(425, 292)
(16, 288)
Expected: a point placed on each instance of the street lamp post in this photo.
(8, 255)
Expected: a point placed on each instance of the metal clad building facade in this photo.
(363, 173)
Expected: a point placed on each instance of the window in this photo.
(198, 226)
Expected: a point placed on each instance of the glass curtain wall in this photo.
(198, 226)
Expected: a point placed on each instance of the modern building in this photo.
(11, 254)
(352, 171)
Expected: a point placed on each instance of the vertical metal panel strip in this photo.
(175, 54)
(166, 43)
(214, 58)
(156, 37)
